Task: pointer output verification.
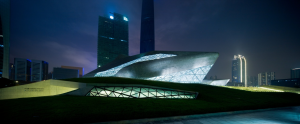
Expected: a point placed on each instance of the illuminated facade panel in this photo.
(189, 76)
(265, 78)
(140, 92)
(113, 71)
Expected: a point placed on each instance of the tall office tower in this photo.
(4, 38)
(81, 69)
(64, 73)
(239, 69)
(39, 70)
(22, 69)
(147, 38)
(112, 38)
(265, 78)
(295, 73)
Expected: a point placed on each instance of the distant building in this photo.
(22, 69)
(11, 71)
(239, 69)
(252, 81)
(112, 38)
(295, 82)
(265, 78)
(64, 73)
(39, 70)
(295, 73)
(50, 75)
(81, 69)
(147, 37)
(4, 38)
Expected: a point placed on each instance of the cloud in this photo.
(73, 55)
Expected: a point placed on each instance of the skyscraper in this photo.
(295, 73)
(112, 38)
(239, 69)
(265, 78)
(4, 37)
(39, 70)
(147, 38)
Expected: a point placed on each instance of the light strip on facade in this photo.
(245, 71)
(241, 63)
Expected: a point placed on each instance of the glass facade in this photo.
(239, 69)
(189, 76)
(22, 69)
(113, 71)
(140, 92)
(39, 70)
(112, 38)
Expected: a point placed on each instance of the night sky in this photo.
(64, 32)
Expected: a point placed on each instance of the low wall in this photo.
(38, 89)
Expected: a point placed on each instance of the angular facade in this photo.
(140, 92)
(112, 38)
(4, 38)
(180, 67)
(239, 69)
(147, 38)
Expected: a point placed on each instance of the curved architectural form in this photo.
(140, 92)
(181, 67)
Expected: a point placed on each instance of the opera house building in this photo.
(166, 66)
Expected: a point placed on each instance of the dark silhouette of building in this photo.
(294, 82)
(12, 71)
(112, 38)
(239, 69)
(81, 69)
(295, 73)
(65, 73)
(4, 38)
(147, 38)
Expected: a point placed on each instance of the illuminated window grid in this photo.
(140, 92)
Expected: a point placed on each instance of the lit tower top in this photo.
(147, 38)
(239, 69)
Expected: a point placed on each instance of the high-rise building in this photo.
(265, 78)
(147, 38)
(4, 38)
(39, 70)
(22, 69)
(239, 69)
(295, 73)
(112, 38)
(252, 81)
(64, 73)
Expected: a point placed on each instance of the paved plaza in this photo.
(289, 115)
